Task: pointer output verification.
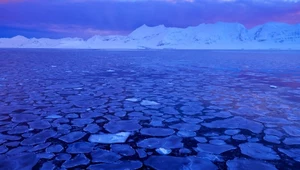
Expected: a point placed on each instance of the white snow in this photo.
(204, 36)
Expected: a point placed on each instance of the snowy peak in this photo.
(147, 32)
(220, 35)
(276, 32)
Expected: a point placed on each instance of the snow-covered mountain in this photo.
(204, 36)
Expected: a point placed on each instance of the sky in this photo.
(85, 18)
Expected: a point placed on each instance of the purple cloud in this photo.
(83, 18)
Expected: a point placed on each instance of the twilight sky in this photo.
(85, 18)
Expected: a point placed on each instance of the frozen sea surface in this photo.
(90, 109)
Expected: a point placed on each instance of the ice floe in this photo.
(72, 137)
(258, 151)
(292, 130)
(212, 148)
(157, 131)
(80, 147)
(171, 162)
(122, 149)
(167, 142)
(104, 156)
(149, 103)
(163, 151)
(120, 137)
(248, 164)
(121, 165)
(39, 138)
(78, 160)
(236, 122)
(122, 125)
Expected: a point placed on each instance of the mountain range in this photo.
(204, 36)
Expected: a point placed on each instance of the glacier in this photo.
(219, 35)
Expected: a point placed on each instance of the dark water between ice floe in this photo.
(185, 100)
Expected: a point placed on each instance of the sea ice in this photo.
(3, 149)
(192, 109)
(48, 166)
(92, 128)
(292, 130)
(72, 137)
(80, 147)
(168, 142)
(236, 122)
(110, 138)
(239, 137)
(54, 148)
(186, 134)
(201, 139)
(141, 153)
(104, 156)
(40, 146)
(39, 138)
(273, 120)
(248, 164)
(232, 131)
(132, 99)
(44, 155)
(272, 139)
(292, 141)
(157, 131)
(217, 142)
(63, 157)
(273, 132)
(185, 126)
(293, 153)
(215, 149)
(120, 165)
(122, 149)
(19, 118)
(24, 161)
(149, 103)
(39, 124)
(171, 162)
(80, 159)
(163, 151)
(122, 125)
(258, 151)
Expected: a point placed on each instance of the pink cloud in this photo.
(73, 30)
(11, 1)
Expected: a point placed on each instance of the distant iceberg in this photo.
(204, 36)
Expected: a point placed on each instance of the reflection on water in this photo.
(149, 109)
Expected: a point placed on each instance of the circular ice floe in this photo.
(292, 141)
(109, 138)
(149, 103)
(168, 143)
(258, 151)
(248, 164)
(292, 130)
(186, 134)
(272, 139)
(80, 147)
(122, 149)
(132, 99)
(293, 153)
(122, 125)
(236, 122)
(157, 131)
(212, 148)
(163, 151)
(232, 132)
(171, 162)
